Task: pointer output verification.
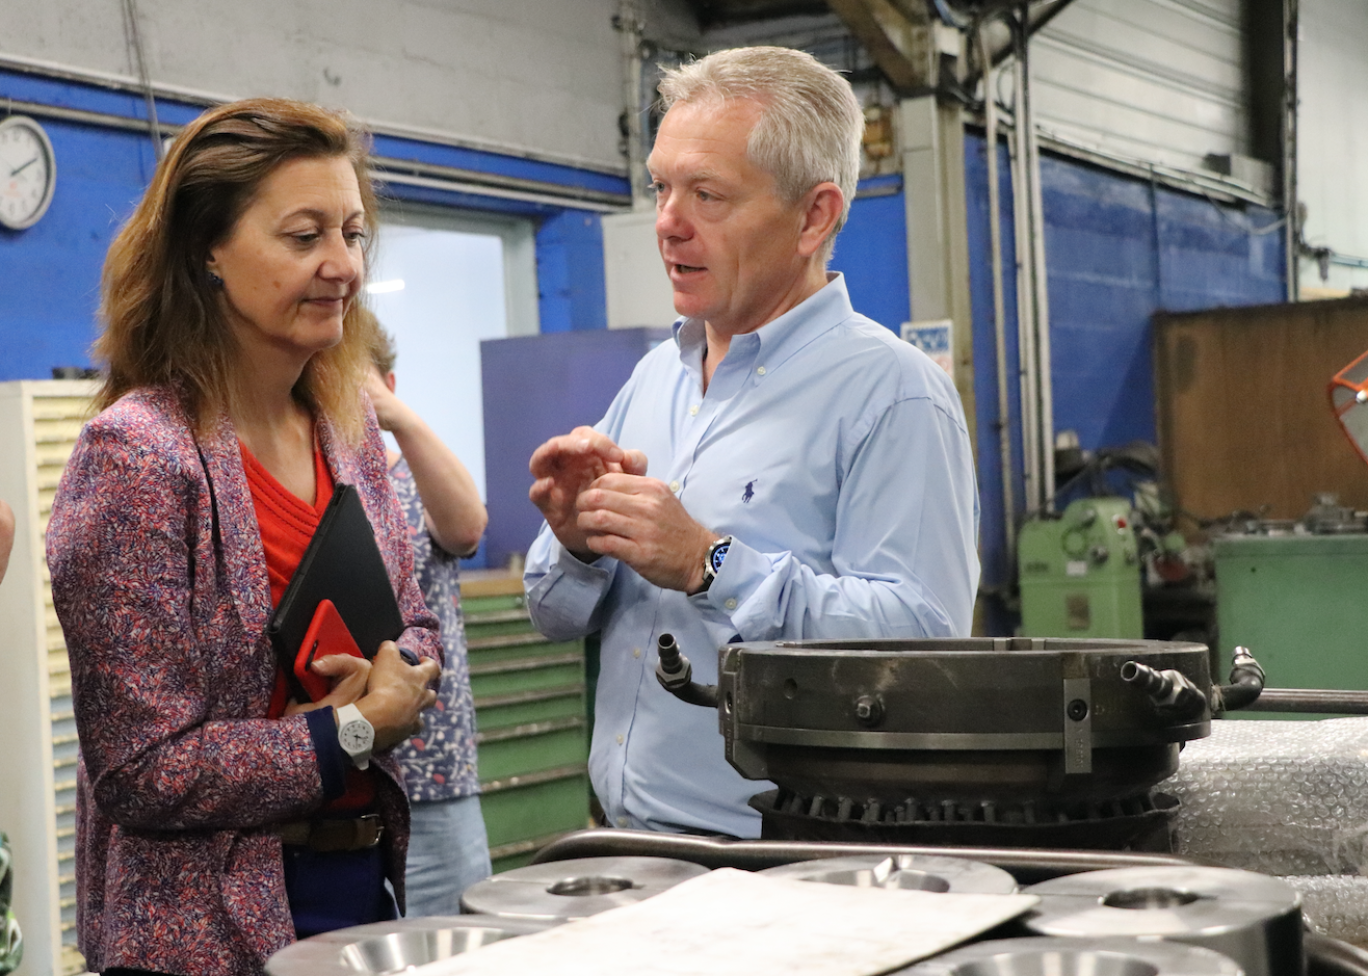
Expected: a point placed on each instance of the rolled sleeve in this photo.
(564, 594)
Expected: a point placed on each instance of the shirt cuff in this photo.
(742, 572)
(332, 761)
(577, 569)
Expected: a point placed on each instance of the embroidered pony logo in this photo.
(749, 493)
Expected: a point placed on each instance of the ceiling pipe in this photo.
(1048, 11)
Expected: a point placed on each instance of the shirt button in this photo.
(636, 652)
(693, 411)
(622, 821)
(730, 603)
(619, 738)
(674, 487)
(761, 371)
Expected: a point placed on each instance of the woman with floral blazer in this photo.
(234, 352)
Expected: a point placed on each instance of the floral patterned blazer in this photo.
(159, 581)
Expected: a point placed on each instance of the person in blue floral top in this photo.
(448, 849)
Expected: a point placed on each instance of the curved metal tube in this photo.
(675, 674)
(1246, 684)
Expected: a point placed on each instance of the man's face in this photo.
(729, 241)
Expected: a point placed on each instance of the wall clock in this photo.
(28, 172)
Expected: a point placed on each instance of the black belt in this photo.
(328, 836)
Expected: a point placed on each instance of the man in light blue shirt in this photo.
(785, 469)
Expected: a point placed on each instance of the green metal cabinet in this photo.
(1300, 604)
(533, 731)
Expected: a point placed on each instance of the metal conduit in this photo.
(1004, 421)
(1039, 276)
(1033, 315)
(1026, 352)
(134, 39)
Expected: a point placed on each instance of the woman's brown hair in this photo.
(163, 321)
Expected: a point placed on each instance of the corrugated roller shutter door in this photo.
(1158, 80)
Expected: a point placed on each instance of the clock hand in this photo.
(16, 172)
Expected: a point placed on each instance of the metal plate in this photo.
(1075, 957)
(908, 872)
(392, 947)
(565, 890)
(1254, 919)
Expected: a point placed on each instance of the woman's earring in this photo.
(215, 280)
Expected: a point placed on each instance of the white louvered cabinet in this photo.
(39, 421)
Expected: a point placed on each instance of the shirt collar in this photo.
(782, 337)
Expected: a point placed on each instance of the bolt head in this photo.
(868, 710)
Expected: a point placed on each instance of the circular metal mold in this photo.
(565, 890)
(1075, 957)
(908, 872)
(1001, 719)
(392, 947)
(1252, 918)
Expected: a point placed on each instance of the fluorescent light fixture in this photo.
(385, 287)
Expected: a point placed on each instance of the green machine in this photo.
(1299, 602)
(1080, 572)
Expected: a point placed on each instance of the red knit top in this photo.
(287, 524)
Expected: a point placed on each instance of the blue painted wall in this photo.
(1117, 250)
(50, 273)
(871, 252)
(570, 272)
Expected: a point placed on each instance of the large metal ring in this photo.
(1075, 957)
(565, 890)
(391, 947)
(1252, 918)
(909, 872)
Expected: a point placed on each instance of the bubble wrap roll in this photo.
(1283, 798)
(1335, 905)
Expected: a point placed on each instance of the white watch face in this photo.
(28, 172)
(356, 736)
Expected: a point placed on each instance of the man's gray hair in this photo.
(811, 124)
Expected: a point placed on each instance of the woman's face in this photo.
(293, 262)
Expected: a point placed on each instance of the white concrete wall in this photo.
(1332, 145)
(542, 76)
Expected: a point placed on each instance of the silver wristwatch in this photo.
(355, 735)
(712, 563)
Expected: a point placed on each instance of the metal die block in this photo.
(1007, 719)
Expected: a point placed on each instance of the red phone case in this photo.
(327, 634)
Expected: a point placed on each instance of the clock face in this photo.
(28, 172)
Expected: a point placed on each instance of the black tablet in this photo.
(341, 564)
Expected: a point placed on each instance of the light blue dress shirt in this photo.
(838, 457)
